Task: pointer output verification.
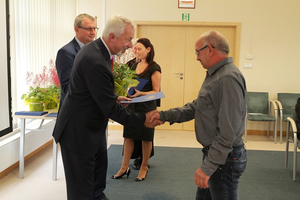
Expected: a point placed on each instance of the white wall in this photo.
(95, 9)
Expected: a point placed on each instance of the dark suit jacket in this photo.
(64, 63)
(90, 101)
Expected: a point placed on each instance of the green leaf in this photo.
(124, 78)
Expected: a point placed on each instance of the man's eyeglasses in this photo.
(197, 52)
(89, 29)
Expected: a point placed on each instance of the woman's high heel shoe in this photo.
(141, 179)
(127, 172)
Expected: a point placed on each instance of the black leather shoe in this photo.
(127, 172)
(141, 179)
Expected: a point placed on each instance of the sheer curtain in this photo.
(38, 28)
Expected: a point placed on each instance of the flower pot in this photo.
(36, 106)
(50, 105)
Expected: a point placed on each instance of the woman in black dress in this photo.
(147, 69)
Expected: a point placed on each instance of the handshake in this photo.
(153, 119)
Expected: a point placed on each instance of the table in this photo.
(22, 142)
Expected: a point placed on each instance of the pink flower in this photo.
(47, 77)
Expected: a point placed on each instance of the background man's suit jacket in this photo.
(64, 63)
(90, 101)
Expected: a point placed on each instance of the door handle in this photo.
(179, 73)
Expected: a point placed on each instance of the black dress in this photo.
(131, 62)
(145, 133)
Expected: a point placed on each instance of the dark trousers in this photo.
(223, 184)
(85, 174)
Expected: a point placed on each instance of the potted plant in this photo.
(44, 90)
(124, 78)
(34, 98)
(51, 97)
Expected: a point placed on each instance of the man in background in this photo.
(85, 30)
(219, 112)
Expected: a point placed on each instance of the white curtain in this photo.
(38, 28)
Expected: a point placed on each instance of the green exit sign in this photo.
(185, 16)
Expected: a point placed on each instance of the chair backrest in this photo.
(258, 102)
(288, 100)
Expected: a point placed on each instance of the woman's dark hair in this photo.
(146, 42)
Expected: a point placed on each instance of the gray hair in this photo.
(217, 40)
(79, 18)
(116, 25)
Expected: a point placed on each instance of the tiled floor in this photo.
(37, 183)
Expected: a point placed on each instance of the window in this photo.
(37, 30)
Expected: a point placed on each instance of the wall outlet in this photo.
(248, 65)
(249, 56)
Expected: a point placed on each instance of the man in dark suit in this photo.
(83, 116)
(85, 29)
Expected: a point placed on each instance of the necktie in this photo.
(112, 64)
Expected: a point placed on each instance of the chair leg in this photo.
(268, 135)
(275, 132)
(287, 145)
(295, 156)
(280, 131)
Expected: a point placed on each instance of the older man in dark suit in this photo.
(83, 116)
(85, 29)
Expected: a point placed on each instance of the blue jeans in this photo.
(224, 183)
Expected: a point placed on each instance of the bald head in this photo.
(211, 48)
(217, 40)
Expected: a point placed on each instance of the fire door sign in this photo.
(185, 16)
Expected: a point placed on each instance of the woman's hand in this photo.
(137, 93)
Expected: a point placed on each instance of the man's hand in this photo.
(154, 115)
(201, 179)
(122, 98)
(152, 120)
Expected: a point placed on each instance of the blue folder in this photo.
(140, 86)
(51, 115)
(32, 113)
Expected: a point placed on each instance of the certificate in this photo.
(149, 97)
